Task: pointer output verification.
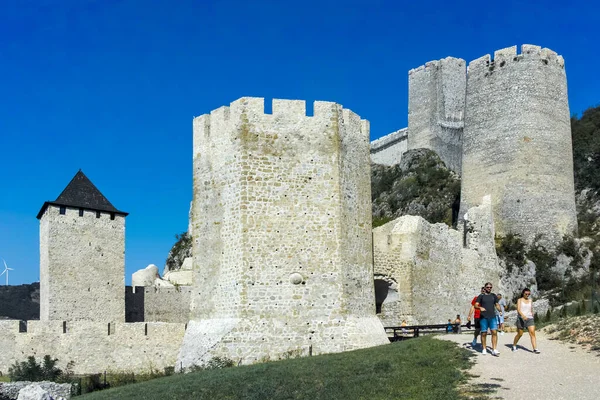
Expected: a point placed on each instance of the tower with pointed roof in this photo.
(82, 256)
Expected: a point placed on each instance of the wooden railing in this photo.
(396, 333)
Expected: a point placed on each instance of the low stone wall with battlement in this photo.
(93, 347)
(157, 304)
(388, 149)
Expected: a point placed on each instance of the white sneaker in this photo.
(514, 348)
(495, 352)
(536, 351)
(501, 333)
(483, 352)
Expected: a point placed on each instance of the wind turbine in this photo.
(6, 269)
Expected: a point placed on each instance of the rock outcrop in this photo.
(148, 276)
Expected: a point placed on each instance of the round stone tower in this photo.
(517, 142)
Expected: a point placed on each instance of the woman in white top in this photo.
(525, 320)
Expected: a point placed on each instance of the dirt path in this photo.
(561, 371)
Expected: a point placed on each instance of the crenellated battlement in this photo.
(286, 114)
(509, 55)
(281, 109)
(436, 65)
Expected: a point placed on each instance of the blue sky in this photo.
(111, 87)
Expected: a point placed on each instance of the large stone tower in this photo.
(82, 256)
(436, 107)
(282, 233)
(517, 142)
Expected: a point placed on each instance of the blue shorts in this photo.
(491, 323)
(500, 319)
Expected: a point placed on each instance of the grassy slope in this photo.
(422, 368)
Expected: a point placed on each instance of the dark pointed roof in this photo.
(82, 193)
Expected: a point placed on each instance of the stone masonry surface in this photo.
(82, 266)
(282, 233)
(158, 304)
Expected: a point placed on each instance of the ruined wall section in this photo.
(94, 347)
(444, 268)
(276, 278)
(82, 266)
(436, 108)
(388, 149)
(517, 142)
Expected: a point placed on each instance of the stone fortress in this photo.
(285, 262)
(503, 124)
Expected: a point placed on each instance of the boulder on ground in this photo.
(34, 392)
(25, 390)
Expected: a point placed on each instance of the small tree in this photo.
(30, 370)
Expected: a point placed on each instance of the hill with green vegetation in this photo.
(586, 149)
(423, 368)
(419, 185)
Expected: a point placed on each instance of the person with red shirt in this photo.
(477, 314)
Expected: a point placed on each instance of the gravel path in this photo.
(561, 371)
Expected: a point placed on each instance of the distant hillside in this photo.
(586, 149)
(419, 185)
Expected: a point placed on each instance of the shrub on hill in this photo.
(32, 371)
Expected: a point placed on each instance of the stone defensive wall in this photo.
(282, 230)
(20, 302)
(388, 150)
(157, 304)
(433, 271)
(436, 108)
(82, 264)
(94, 347)
(517, 142)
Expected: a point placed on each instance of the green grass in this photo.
(423, 368)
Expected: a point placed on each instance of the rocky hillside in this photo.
(179, 252)
(419, 185)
